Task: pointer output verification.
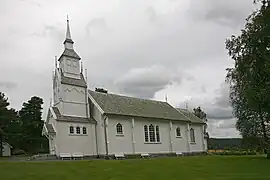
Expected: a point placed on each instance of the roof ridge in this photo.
(128, 96)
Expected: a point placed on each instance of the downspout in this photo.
(203, 143)
(132, 136)
(187, 135)
(105, 135)
(170, 137)
(96, 139)
(86, 103)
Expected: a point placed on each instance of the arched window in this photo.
(152, 133)
(78, 130)
(192, 135)
(157, 134)
(146, 138)
(84, 130)
(178, 132)
(71, 129)
(119, 129)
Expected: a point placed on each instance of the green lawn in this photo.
(186, 168)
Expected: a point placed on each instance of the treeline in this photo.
(22, 129)
(235, 144)
(225, 143)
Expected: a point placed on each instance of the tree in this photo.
(250, 77)
(200, 113)
(6, 115)
(30, 116)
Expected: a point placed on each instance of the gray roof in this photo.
(130, 106)
(191, 116)
(72, 81)
(70, 53)
(7, 144)
(50, 128)
(64, 118)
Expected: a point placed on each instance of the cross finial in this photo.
(67, 17)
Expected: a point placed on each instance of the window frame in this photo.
(78, 128)
(152, 134)
(119, 129)
(146, 133)
(71, 130)
(84, 131)
(192, 136)
(178, 132)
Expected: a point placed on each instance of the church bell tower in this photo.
(69, 84)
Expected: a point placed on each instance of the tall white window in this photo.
(192, 135)
(119, 129)
(151, 133)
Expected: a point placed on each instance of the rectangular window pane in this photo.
(146, 138)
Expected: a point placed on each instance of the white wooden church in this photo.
(83, 122)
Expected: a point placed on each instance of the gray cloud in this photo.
(97, 26)
(32, 2)
(151, 13)
(229, 13)
(8, 85)
(222, 128)
(222, 99)
(50, 30)
(181, 53)
(222, 108)
(145, 82)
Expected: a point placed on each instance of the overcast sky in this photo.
(141, 48)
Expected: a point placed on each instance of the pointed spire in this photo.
(68, 41)
(68, 36)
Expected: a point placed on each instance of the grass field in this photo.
(186, 168)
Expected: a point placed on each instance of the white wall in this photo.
(6, 150)
(71, 143)
(73, 100)
(180, 144)
(135, 143)
(52, 139)
(70, 67)
(118, 143)
(96, 114)
(198, 146)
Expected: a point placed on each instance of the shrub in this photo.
(18, 152)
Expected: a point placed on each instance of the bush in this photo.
(18, 152)
(234, 152)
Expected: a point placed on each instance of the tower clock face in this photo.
(69, 62)
(75, 64)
